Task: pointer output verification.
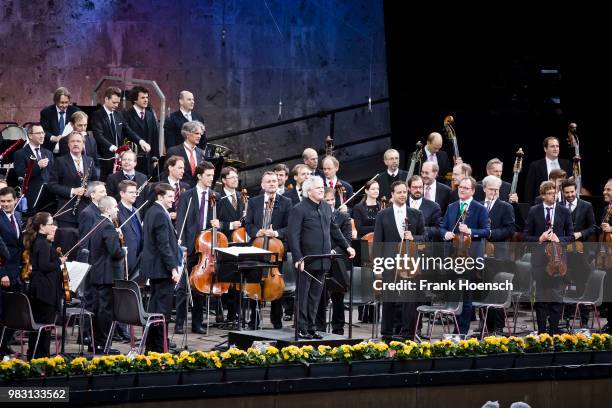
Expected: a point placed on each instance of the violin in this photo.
(341, 191)
(462, 241)
(203, 276)
(65, 278)
(556, 257)
(604, 254)
(273, 284)
(239, 234)
(450, 133)
(410, 249)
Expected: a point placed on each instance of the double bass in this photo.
(572, 139)
(273, 285)
(414, 158)
(203, 275)
(452, 136)
(517, 236)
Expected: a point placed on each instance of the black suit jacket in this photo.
(384, 181)
(63, 178)
(106, 255)
(191, 229)
(227, 214)
(160, 252)
(538, 173)
(88, 218)
(348, 191)
(172, 129)
(292, 195)
(310, 232)
(146, 129)
(179, 150)
(46, 279)
(38, 176)
(280, 216)
(443, 196)
(536, 225)
(12, 265)
(501, 217)
(385, 228)
(363, 222)
(444, 164)
(583, 218)
(431, 214)
(91, 150)
(479, 195)
(133, 239)
(112, 185)
(101, 127)
(50, 123)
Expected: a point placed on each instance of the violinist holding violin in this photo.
(548, 223)
(343, 189)
(45, 281)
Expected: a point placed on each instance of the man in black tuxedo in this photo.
(539, 170)
(141, 119)
(430, 209)
(127, 172)
(66, 181)
(54, 118)
(78, 121)
(190, 152)
(495, 168)
(434, 190)
(310, 232)
(159, 261)
(132, 230)
(110, 130)
(10, 233)
(390, 227)
(281, 207)
(32, 162)
(392, 174)
(501, 217)
(300, 173)
(174, 123)
(433, 152)
(343, 189)
(311, 159)
(189, 224)
(547, 223)
(174, 170)
(106, 258)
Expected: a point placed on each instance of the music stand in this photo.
(240, 264)
(296, 308)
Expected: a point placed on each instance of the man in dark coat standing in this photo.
(539, 170)
(54, 118)
(174, 123)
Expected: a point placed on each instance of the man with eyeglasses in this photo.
(547, 223)
(469, 217)
(32, 163)
(190, 152)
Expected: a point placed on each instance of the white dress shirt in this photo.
(400, 218)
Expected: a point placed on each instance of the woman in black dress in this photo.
(46, 279)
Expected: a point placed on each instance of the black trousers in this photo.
(197, 310)
(160, 302)
(43, 313)
(549, 295)
(337, 319)
(310, 295)
(276, 313)
(103, 313)
(15, 286)
(231, 300)
(408, 317)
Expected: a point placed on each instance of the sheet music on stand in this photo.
(243, 250)
(76, 273)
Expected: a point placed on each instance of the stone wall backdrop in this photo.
(239, 58)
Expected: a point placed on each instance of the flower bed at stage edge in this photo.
(398, 357)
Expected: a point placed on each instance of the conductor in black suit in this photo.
(310, 233)
(434, 190)
(66, 179)
(141, 120)
(281, 207)
(547, 222)
(190, 152)
(32, 162)
(539, 170)
(110, 130)
(174, 123)
(392, 174)
(160, 260)
(391, 227)
(127, 172)
(189, 224)
(54, 118)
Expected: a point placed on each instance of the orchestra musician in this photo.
(495, 168)
(78, 121)
(391, 227)
(364, 213)
(278, 229)
(433, 152)
(547, 222)
(475, 225)
(46, 279)
(173, 127)
(198, 219)
(393, 173)
(10, 232)
(141, 119)
(300, 173)
(605, 226)
(430, 209)
(32, 162)
(160, 261)
(434, 190)
(110, 130)
(132, 231)
(192, 155)
(174, 170)
(309, 233)
(331, 165)
(127, 172)
(54, 118)
(539, 170)
(311, 159)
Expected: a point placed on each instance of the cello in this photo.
(202, 277)
(273, 284)
(572, 139)
(239, 235)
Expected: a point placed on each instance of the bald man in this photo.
(173, 124)
(433, 152)
(311, 159)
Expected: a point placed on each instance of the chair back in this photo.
(523, 280)
(499, 297)
(289, 275)
(594, 287)
(16, 311)
(127, 307)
